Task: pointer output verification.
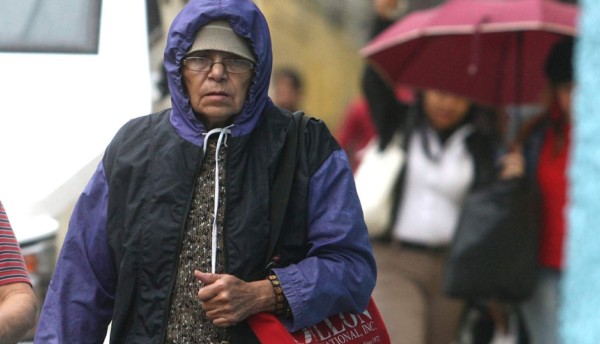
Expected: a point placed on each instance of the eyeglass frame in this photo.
(223, 62)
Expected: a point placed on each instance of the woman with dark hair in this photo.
(548, 140)
(451, 149)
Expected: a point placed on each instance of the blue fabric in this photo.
(540, 311)
(581, 300)
(339, 272)
(247, 21)
(79, 302)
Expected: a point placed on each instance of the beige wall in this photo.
(328, 61)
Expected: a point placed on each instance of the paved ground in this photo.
(385, 290)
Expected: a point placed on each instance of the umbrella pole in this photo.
(515, 119)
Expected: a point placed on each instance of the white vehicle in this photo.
(71, 73)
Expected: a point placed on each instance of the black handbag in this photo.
(494, 253)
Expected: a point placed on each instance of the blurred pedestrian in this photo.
(452, 149)
(356, 130)
(169, 242)
(357, 127)
(548, 141)
(18, 304)
(288, 88)
(447, 156)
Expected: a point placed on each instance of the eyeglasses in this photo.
(205, 64)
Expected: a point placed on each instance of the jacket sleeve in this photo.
(79, 303)
(339, 272)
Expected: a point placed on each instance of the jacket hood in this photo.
(247, 21)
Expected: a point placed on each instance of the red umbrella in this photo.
(491, 51)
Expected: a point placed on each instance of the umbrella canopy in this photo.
(491, 51)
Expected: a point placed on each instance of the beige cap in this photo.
(219, 35)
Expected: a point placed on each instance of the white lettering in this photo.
(369, 327)
(352, 324)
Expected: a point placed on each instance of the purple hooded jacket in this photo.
(339, 271)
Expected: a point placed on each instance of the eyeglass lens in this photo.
(231, 65)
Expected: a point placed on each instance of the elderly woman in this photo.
(169, 241)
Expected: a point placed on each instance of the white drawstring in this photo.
(222, 140)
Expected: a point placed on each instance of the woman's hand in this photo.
(389, 9)
(227, 300)
(513, 165)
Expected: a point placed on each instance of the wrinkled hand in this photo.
(227, 300)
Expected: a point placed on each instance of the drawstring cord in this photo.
(222, 140)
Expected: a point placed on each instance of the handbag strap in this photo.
(282, 184)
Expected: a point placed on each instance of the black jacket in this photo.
(151, 182)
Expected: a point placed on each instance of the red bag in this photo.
(363, 328)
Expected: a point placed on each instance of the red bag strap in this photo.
(269, 329)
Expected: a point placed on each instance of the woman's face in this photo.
(444, 110)
(216, 95)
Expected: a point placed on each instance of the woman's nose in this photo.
(217, 70)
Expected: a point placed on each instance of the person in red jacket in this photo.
(547, 153)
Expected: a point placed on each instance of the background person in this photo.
(288, 88)
(439, 171)
(452, 149)
(169, 238)
(18, 304)
(357, 128)
(548, 141)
